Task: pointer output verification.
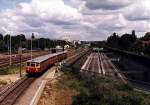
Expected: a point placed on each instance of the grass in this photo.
(14, 69)
(96, 90)
(2, 82)
(69, 81)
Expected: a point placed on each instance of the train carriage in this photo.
(40, 64)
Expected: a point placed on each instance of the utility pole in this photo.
(9, 44)
(38, 44)
(20, 55)
(10, 51)
(32, 37)
(20, 64)
(13, 3)
(31, 46)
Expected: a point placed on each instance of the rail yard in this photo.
(4, 62)
(74, 52)
(101, 64)
(84, 60)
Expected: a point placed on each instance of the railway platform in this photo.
(33, 93)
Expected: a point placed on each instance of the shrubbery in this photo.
(2, 82)
(96, 90)
(108, 91)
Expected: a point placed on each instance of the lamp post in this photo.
(8, 32)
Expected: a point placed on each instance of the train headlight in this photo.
(37, 69)
(27, 69)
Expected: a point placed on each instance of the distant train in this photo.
(40, 64)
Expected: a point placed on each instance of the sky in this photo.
(74, 19)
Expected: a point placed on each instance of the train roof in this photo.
(45, 57)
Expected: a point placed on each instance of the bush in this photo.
(2, 82)
(107, 91)
(66, 70)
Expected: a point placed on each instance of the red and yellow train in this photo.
(40, 64)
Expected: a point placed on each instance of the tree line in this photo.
(21, 41)
(130, 42)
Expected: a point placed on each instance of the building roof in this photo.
(45, 57)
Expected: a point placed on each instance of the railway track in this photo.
(11, 93)
(101, 64)
(16, 60)
(136, 84)
(108, 68)
(71, 60)
(93, 64)
(111, 69)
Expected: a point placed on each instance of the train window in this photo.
(37, 64)
(28, 63)
(33, 64)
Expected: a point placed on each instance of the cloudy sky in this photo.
(74, 19)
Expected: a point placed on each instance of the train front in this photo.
(32, 67)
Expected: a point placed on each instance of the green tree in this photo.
(147, 50)
(6, 41)
(2, 45)
(126, 41)
(146, 37)
(137, 47)
(18, 41)
(113, 40)
(1, 36)
(32, 36)
(42, 43)
(22, 37)
(133, 32)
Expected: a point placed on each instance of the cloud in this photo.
(139, 11)
(79, 19)
(4, 4)
(107, 4)
(38, 15)
(51, 10)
